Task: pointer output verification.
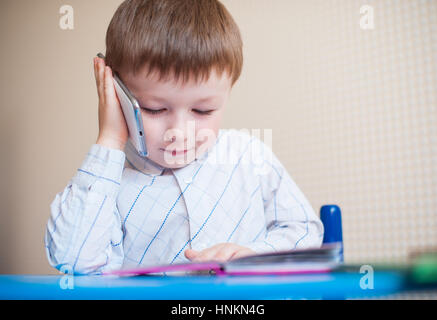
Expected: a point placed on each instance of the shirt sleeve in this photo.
(291, 222)
(84, 233)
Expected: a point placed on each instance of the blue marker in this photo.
(331, 218)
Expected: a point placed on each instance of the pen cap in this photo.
(331, 219)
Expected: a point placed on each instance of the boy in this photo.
(202, 193)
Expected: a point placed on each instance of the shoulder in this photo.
(246, 148)
(232, 144)
(243, 139)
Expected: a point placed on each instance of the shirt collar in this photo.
(142, 164)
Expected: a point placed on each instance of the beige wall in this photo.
(353, 113)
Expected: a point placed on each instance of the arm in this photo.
(291, 222)
(84, 229)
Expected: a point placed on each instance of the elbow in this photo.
(67, 264)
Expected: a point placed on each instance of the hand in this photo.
(113, 131)
(220, 252)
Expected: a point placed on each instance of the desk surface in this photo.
(338, 285)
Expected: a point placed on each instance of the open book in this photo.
(318, 260)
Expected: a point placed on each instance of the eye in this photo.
(201, 112)
(152, 111)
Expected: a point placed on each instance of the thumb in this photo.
(191, 254)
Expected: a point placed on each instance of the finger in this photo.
(225, 253)
(191, 254)
(95, 68)
(109, 85)
(96, 75)
(242, 253)
(208, 254)
(101, 77)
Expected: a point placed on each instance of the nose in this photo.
(174, 135)
(180, 131)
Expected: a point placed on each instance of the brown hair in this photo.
(179, 38)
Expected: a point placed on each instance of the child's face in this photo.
(190, 115)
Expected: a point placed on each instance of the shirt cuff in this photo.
(101, 171)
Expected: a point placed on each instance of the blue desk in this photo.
(338, 285)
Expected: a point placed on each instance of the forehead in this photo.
(143, 85)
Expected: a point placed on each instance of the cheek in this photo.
(207, 132)
(153, 130)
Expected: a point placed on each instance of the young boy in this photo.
(202, 193)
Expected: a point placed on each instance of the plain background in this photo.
(353, 113)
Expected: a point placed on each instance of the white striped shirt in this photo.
(121, 210)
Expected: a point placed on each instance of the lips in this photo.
(175, 152)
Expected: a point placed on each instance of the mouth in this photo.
(175, 152)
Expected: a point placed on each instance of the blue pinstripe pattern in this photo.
(49, 245)
(213, 209)
(269, 245)
(144, 220)
(166, 217)
(300, 204)
(99, 177)
(160, 228)
(135, 201)
(92, 226)
(155, 216)
(243, 215)
(306, 229)
(259, 233)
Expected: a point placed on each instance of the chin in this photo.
(175, 165)
(178, 166)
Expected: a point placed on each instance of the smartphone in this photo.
(132, 114)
